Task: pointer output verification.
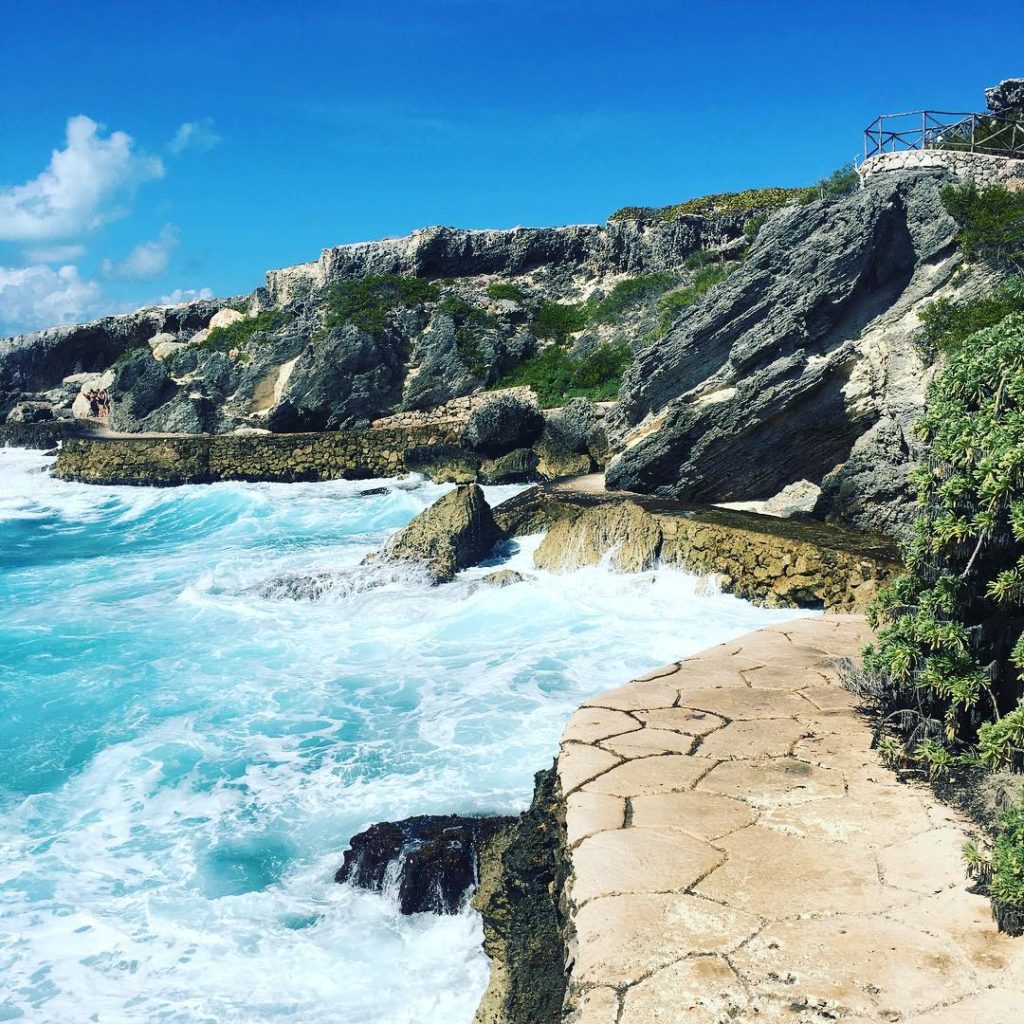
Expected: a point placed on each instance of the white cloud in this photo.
(180, 295)
(147, 259)
(81, 187)
(55, 254)
(197, 135)
(31, 297)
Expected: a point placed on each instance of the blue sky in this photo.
(211, 142)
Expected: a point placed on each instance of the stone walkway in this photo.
(739, 854)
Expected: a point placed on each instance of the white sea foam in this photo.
(187, 758)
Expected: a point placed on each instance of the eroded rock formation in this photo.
(432, 860)
(804, 365)
(457, 531)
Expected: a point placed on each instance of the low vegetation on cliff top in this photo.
(840, 182)
(950, 649)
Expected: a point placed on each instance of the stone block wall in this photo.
(981, 168)
(280, 458)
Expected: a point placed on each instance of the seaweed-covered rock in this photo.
(503, 424)
(522, 876)
(454, 533)
(431, 859)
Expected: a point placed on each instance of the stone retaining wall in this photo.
(275, 458)
(984, 170)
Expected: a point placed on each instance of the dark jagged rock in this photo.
(457, 531)
(431, 859)
(502, 425)
(342, 381)
(573, 423)
(779, 372)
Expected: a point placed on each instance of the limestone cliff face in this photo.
(39, 361)
(554, 255)
(806, 364)
(296, 369)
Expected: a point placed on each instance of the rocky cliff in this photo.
(366, 331)
(794, 363)
(806, 364)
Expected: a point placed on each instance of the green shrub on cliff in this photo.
(991, 224)
(557, 320)
(628, 295)
(238, 334)
(948, 322)
(718, 203)
(1007, 871)
(556, 377)
(951, 629)
(703, 280)
(367, 302)
(505, 290)
(841, 182)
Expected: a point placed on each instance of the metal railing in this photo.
(943, 129)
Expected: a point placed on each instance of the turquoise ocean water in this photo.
(182, 760)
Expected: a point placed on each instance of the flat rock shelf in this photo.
(738, 853)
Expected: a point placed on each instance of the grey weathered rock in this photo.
(444, 463)
(457, 531)
(42, 359)
(514, 467)
(30, 412)
(342, 380)
(778, 372)
(502, 425)
(1007, 97)
(573, 423)
(552, 254)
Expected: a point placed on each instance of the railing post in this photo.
(924, 124)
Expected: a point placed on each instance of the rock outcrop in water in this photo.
(432, 860)
(457, 531)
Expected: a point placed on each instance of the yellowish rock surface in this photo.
(738, 854)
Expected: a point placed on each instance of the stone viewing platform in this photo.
(737, 853)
